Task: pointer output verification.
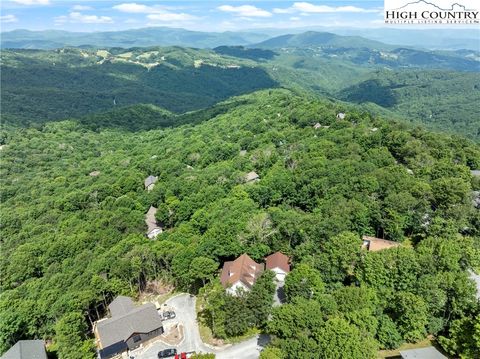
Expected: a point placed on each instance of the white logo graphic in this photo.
(432, 12)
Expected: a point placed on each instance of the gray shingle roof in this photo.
(150, 180)
(143, 319)
(476, 278)
(475, 173)
(251, 176)
(121, 305)
(422, 353)
(26, 349)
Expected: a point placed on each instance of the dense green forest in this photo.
(72, 240)
(437, 89)
(39, 86)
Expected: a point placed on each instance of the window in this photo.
(137, 338)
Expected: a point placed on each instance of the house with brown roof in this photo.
(374, 244)
(279, 264)
(127, 327)
(240, 274)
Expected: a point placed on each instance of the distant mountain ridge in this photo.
(151, 36)
(314, 38)
(451, 39)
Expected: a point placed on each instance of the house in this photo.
(26, 349)
(153, 228)
(240, 273)
(251, 177)
(340, 116)
(127, 328)
(476, 199)
(422, 353)
(94, 173)
(317, 126)
(150, 182)
(475, 173)
(476, 279)
(373, 244)
(278, 263)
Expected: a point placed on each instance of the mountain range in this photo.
(438, 39)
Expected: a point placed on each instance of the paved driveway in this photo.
(184, 306)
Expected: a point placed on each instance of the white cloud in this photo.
(82, 7)
(134, 8)
(32, 2)
(77, 17)
(170, 16)
(155, 13)
(245, 10)
(307, 8)
(8, 18)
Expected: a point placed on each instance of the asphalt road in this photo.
(184, 306)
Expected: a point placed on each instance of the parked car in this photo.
(169, 314)
(167, 353)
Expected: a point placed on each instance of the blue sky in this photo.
(215, 15)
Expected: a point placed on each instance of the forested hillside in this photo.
(441, 100)
(38, 86)
(438, 89)
(73, 205)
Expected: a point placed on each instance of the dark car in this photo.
(167, 353)
(169, 315)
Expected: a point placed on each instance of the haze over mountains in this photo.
(439, 39)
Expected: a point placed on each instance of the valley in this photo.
(239, 194)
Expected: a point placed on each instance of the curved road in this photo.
(184, 306)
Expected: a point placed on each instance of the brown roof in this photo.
(377, 244)
(243, 269)
(277, 260)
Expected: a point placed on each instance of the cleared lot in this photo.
(184, 307)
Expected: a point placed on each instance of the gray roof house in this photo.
(150, 182)
(252, 177)
(422, 353)
(475, 173)
(341, 116)
(153, 228)
(127, 328)
(26, 349)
